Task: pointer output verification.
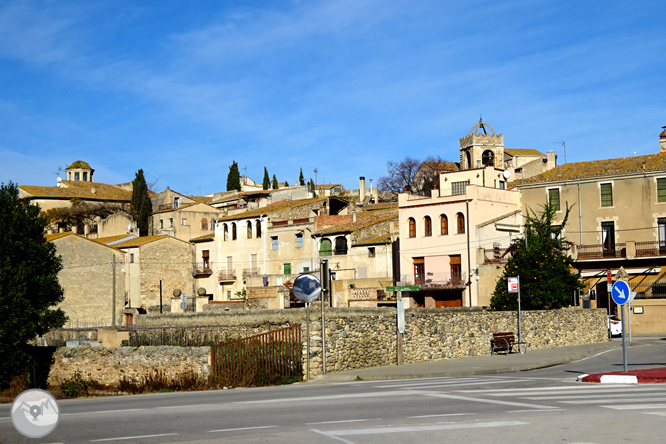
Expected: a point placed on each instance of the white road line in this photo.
(635, 406)
(243, 428)
(599, 396)
(122, 438)
(459, 384)
(428, 428)
(488, 401)
(343, 421)
(577, 388)
(535, 411)
(334, 397)
(607, 401)
(328, 435)
(421, 383)
(97, 412)
(184, 406)
(655, 413)
(438, 416)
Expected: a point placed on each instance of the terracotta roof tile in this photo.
(272, 208)
(377, 240)
(139, 241)
(204, 238)
(108, 239)
(363, 220)
(442, 166)
(599, 168)
(523, 152)
(54, 236)
(79, 190)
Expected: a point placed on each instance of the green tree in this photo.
(301, 179)
(233, 178)
(547, 277)
(29, 284)
(140, 205)
(312, 187)
(267, 179)
(275, 183)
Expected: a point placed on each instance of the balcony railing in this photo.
(650, 248)
(495, 255)
(201, 269)
(165, 207)
(436, 280)
(602, 251)
(227, 275)
(248, 272)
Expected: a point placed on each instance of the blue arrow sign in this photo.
(620, 292)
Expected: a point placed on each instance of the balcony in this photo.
(495, 255)
(432, 280)
(201, 270)
(602, 251)
(227, 276)
(250, 272)
(650, 248)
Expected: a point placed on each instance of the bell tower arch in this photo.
(481, 147)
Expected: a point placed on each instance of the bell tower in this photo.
(481, 147)
(79, 171)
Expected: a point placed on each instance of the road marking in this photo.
(573, 388)
(587, 396)
(96, 412)
(184, 406)
(606, 401)
(535, 411)
(133, 437)
(333, 397)
(429, 428)
(421, 382)
(343, 421)
(453, 384)
(242, 428)
(656, 413)
(488, 401)
(635, 406)
(438, 416)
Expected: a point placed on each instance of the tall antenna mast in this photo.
(564, 146)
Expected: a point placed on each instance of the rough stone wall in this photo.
(110, 366)
(171, 261)
(87, 278)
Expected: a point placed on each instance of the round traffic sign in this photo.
(307, 288)
(620, 292)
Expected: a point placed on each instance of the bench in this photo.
(505, 342)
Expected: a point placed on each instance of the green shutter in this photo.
(661, 190)
(554, 199)
(287, 268)
(606, 195)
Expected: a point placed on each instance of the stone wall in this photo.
(355, 338)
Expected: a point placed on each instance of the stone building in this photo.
(88, 280)
(185, 221)
(79, 189)
(618, 218)
(151, 260)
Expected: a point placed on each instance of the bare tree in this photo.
(400, 176)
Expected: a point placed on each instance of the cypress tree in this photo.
(141, 206)
(301, 179)
(267, 180)
(233, 178)
(275, 183)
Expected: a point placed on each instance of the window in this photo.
(488, 158)
(608, 237)
(286, 268)
(554, 198)
(419, 271)
(460, 223)
(76, 176)
(176, 202)
(456, 270)
(131, 259)
(661, 190)
(258, 223)
(371, 251)
(325, 248)
(502, 185)
(427, 223)
(233, 231)
(412, 227)
(458, 188)
(606, 194)
(184, 221)
(249, 229)
(299, 240)
(85, 176)
(274, 242)
(661, 228)
(443, 224)
(205, 258)
(161, 223)
(204, 224)
(341, 245)
(555, 231)
(226, 232)
(171, 222)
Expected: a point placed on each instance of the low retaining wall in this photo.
(355, 338)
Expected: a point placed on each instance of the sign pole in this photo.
(622, 296)
(307, 334)
(624, 336)
(400, 327)
(520, 327)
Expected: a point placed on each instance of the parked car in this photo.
(614, 326)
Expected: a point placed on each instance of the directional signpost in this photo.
(622, 295)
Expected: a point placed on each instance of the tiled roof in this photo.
(523, 152)
(139, 241)
(79, 190)
(204, 238)
(272, 208)
(184, 206)
(363, 220)
(203, 199)
(377, 240)
(599, 168)
(108, 239)
(381, 206)
(54, 236)
(442, 166)
(80, 164)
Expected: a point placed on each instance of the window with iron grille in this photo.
(458, 188)
(606, 195)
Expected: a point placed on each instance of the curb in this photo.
(647, 376)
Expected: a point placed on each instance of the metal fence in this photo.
(190, 336)
(266, 359)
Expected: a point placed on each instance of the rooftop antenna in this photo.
(564, 146)
(315, 171)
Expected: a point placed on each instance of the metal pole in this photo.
(113, 304)
(323, 269)
(520, 330)
(624, 338)
(469, 264)
(160, 296)
(398, 334)
(307, 334)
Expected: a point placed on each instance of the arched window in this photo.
(460, 221)
(233, 231)
(488, 158)
(412, 227)
(325, 248)
(341, 245)
(204, 224)
(226, 232)
(258, 222)
(443, 224)
(427, 225)
(249, 229)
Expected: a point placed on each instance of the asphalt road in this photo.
(542, 406)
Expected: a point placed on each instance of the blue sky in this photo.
(182, 89)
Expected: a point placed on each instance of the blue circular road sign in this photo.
(620, 292)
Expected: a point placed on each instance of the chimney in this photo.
(662, 140)
(551, 160)
(361, 185)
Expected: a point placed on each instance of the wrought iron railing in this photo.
(650, 248)
(227, 275)
(601, 251)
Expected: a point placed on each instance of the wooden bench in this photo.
(505, 342)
